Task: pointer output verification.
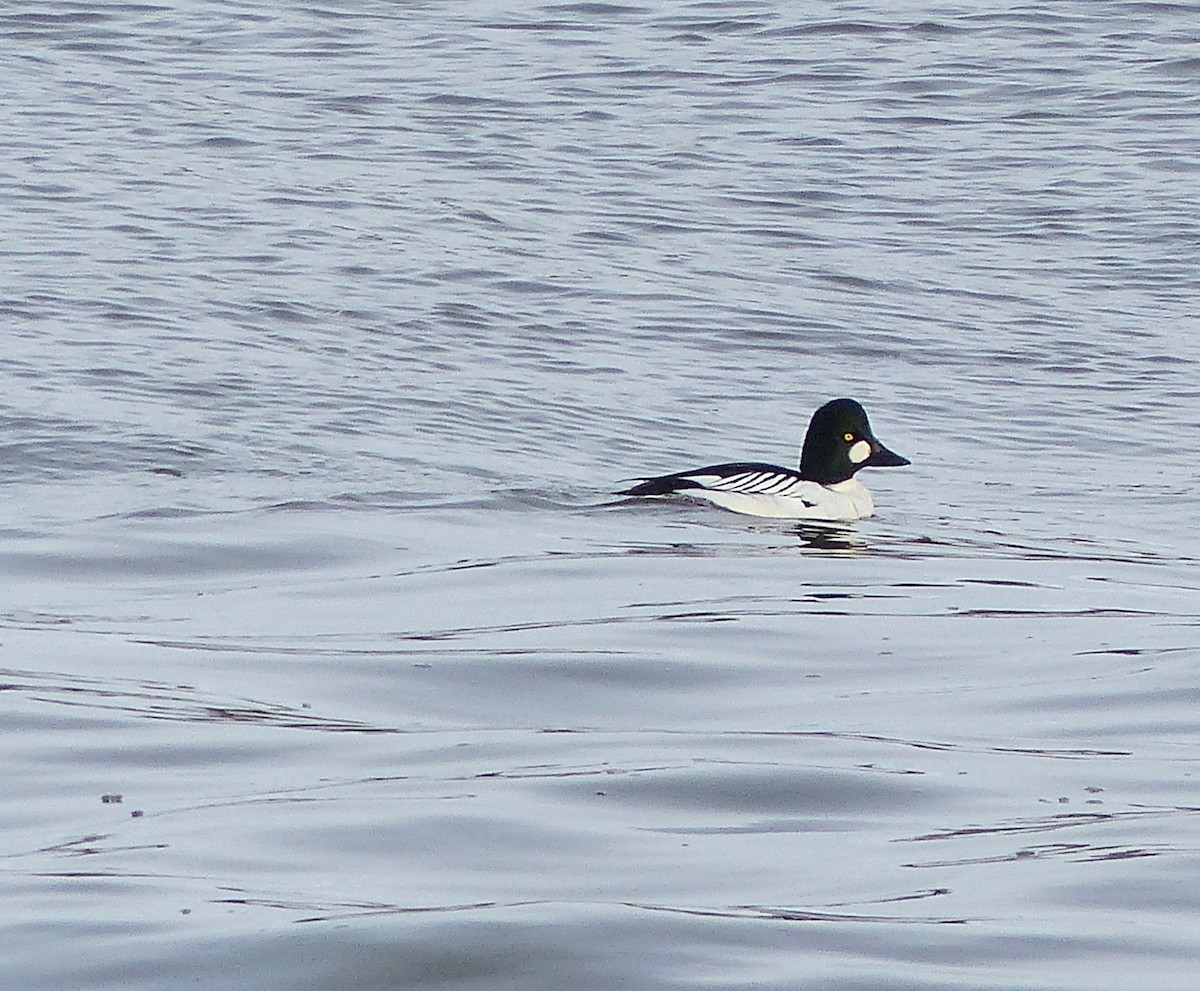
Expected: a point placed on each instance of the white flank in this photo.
(848, 500)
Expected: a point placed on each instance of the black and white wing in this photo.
(746, 478)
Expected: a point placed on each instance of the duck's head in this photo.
(839, 442)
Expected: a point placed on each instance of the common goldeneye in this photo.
(839, 442)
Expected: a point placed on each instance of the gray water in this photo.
(331, 661)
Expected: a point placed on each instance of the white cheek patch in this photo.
(859, 451)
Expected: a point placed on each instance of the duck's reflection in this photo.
(822, 536)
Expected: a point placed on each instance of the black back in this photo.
(666, 484)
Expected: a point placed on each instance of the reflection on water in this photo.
(320, 609)
(178, 703)
(830, 538)
(796, 914)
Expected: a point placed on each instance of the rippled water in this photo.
(328, 657)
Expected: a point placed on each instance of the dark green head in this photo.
(839, 442)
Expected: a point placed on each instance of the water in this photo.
(329, 660)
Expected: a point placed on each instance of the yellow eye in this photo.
(848, 437)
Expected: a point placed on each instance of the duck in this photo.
(839, 443)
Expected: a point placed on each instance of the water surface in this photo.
(328, 657)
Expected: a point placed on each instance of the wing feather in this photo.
(742, 478)
(749, 481)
